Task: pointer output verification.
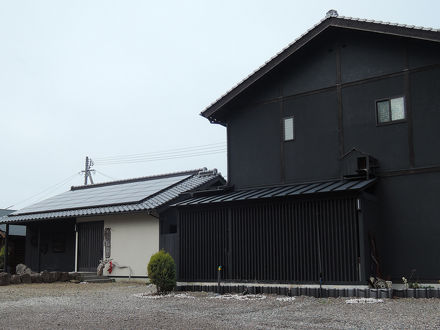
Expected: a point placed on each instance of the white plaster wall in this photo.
(134, 239)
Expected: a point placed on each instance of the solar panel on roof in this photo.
(185, 182)
(130, 192)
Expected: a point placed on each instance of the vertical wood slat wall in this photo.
(285, 241)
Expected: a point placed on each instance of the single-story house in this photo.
(117, 220)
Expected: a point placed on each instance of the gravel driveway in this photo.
(131, 306)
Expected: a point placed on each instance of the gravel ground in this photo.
(130, 305)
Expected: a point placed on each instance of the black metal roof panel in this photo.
(159, 194)
(284, 191)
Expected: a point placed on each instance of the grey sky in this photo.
(106, 78)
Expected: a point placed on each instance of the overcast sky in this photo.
(109, 78)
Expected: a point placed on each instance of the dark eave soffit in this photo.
(340, 22)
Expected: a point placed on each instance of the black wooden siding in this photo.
(284, 241)
(41, 252)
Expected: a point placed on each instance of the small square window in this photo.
(383, 111)
(390, 110)
(288, 129)
(397, 109)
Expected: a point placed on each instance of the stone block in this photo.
(25, 278)
(54, 276)
(432, 293)
(15, 279)
(36, 278)
(410, 293)
(45, 276)
(22, 269)
(64, 277)
(75, 276)
(294, 291)
(5, 279)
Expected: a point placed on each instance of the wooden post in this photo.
(76, 247)
(5, 267)
(219, 269)
(38, 246)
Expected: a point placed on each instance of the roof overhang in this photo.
(400, 30)
(293, 190)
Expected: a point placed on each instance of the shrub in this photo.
(2, 258)
(162, 271)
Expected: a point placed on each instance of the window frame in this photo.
(284, 128)
(390, 122)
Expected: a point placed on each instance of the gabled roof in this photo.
(133, 195)
(331, 20)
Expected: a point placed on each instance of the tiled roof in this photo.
(4, 212)
(82, 204)
(331, 19)
(389, 23)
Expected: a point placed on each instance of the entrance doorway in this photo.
(90, 245)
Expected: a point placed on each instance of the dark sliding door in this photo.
(90, 245)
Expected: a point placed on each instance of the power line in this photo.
(108, 176)
(152, 159)
(51, 188)
(155, 158)
(174, 154)
(165, 153)
(204, 146)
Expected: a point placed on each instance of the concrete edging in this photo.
(316, 291)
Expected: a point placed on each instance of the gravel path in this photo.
(130, 305)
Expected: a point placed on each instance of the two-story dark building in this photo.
(333, 163)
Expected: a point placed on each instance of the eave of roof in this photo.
(396, 29)
(292, 190)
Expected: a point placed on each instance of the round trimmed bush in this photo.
(162, 271)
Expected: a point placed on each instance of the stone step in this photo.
(93, 278)
(99, 280)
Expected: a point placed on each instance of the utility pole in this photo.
(88, 171)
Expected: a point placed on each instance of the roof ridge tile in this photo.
(139, 179)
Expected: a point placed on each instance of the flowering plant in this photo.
(405, 282)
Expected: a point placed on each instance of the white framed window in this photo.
(289, 129)
(390, 110)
